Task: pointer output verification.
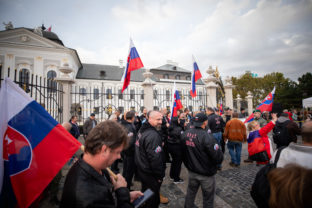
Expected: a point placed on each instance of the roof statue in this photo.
(8, 26)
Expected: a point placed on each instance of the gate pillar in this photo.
(67, 82)
(148, 85)
(239, 99)
(211, 87)
(228, 88)
(250, 105)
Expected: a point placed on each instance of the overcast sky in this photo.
(235, 35)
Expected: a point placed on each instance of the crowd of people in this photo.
(146, 144)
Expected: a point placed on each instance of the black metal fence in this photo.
(103, 101)
(48, 93)
(163, 98)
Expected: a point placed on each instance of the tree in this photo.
(305, 85)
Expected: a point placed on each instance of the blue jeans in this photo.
(218, 137)
(235, 149)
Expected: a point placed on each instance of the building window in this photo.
(120, 95)
(132, 93)
(188, 77)
(96, 94)
(190, 108)
(155, 94)
(24, 79)
(167, 95)
(121, 109)
(82, 91)
(109, 94)
(52, 86)
(166, 76)
(142, 94)
(177, 77)
(96, 110)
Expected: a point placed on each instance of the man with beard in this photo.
(149, 156)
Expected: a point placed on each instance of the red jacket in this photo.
(259, 137)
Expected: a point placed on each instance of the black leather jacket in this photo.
(132, 136)
(215, 123)
(149, 154)
(85, 187)
(201, 152)
(175, 132)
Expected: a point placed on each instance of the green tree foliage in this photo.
(288, 92)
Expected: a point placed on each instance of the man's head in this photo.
(67, 126)
(186, 111)
(306, 133)
(242, 110)
(164, 111)
(155, 119)
(144, 111)
(130, 116)
(257, 113)
(92, 116)
(235, 115)
(106, 140)
(200, 120)
(210, 110)
(117, 113)
(73, 119)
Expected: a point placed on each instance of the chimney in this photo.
(121, 63)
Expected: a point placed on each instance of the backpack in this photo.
(281, 135)
(260, 189)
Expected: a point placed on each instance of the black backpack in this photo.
(281, 135)
(260, 189)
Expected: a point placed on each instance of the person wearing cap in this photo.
(201, 156)
(258, 118)
(89, 124)
(227, 115)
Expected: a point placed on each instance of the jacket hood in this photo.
(146, 126)
(282, 119)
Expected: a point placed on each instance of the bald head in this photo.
(155, 119)
(67, 126)
(306, 132)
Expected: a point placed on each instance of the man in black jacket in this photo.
(202, 154)
(149, 156)
(88, 183)
(128, 160)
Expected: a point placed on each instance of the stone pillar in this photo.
(67, 82)
(148, 85)
(238, 99)
(250, 104)
(228, 88)
(211, 87)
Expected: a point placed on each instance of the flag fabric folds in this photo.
(196, 75)
(50, 29)
(34, 147)
(133, 63)
(221, 108)
(176, 103)
(265, 105)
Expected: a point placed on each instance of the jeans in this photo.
(235, 149)
(218, 137)
(208, 186)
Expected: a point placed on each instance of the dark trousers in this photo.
(150, 182)
(128, 169)
(176, 153)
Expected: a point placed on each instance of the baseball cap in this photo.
(92, 114)
(256, 111)
(199, 119)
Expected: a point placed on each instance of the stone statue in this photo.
(8, 26)
(38, 30)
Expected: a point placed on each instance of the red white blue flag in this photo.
(133, 63)
(33, 147)
(196, 75)
(221, 108)
(176, 103)
(265, 105)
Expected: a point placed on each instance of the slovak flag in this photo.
(196, 75)
(133, 63)
(176, 103)
(33, 147)
(265, 105)
(221, 108)
(49, 29)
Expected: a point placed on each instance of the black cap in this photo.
(92, 114)
(199, 119)
(256, 111)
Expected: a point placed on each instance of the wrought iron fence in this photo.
(47, 92)
(163, 98)
(103, 101)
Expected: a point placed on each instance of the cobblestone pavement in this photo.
(232, 185)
